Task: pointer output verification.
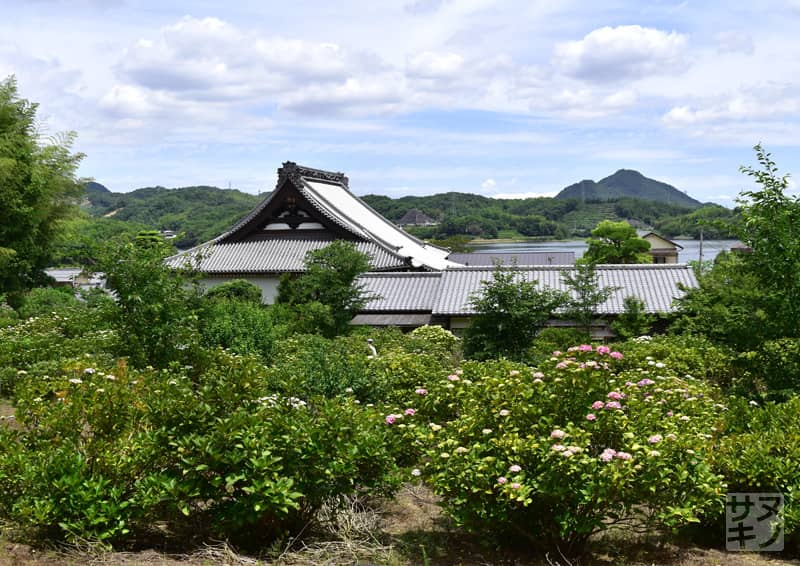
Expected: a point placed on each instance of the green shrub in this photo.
(772, 370)
(434, 340)
(239, 326)
(552, 456)
(236, 290)
(683, 354)
(45, 300)
(758, 450)
(106, 452)
(551, 339)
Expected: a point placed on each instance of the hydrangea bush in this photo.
(553, 454)
(104, 451)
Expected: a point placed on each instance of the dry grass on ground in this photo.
(409, 530)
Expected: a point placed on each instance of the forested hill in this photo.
(199, 213)
(628, 183)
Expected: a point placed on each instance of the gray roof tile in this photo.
(477, 259)
(656, 285)
(276, 255)
(415, 291)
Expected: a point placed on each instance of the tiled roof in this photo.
(655, 285)
(274, 255)
(401, 291)
(329, 194)
(524, 258)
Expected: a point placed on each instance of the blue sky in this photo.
(501, 98)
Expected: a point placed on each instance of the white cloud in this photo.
(433, 65)
(761, 102)
(734, 41)
(622, 53)
(489, 184)
(524, 195)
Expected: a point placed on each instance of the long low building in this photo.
(413, 299)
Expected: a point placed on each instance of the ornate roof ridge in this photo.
(293, 171)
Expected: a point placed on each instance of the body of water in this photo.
(690, 251)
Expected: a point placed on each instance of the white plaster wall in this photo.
(267, 284)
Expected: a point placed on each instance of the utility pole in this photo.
(701, 251)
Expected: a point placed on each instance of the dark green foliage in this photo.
(82, 237)
(586, 295)
(45, 300)
(758, 450)
(616, 242)
(771, 371)
(236, 290)
(329, 281)
(39, 190)
(156, 318)
(552, 339)
(243, 327)
(509, 313)
(634, 320)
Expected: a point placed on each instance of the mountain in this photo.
(628, 183)
(199, 213)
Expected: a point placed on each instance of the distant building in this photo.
(415, 217)
(76, 277)
(662, 250)
(523, 258)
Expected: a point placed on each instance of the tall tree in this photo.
(616, 242)
(328, 291)
(38, 189)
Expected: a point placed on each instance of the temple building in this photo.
(308, 209)
(412, 282)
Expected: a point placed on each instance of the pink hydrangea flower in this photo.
(646, 381)
(516, 485)
(591, 417)
(608, 454)
(684, 418)
(515, 468)
(421, 391)
(561, 365)
(501, 480)
(558, 447)
(616, 395)
(558, 434)
(598, 405)
(585, 348)
(453, 377)
(670, 413)
(623, 456)
(390, 419)
(616, 355)
(613, 405)
(602, 350)
(538, 374)
(557, 353)
(410, 412)
(655, 439)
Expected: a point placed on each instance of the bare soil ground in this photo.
(406, 531)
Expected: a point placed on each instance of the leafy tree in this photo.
(328, 291)
(771, 228)
(748, 298)
(38, 189)
(509, 313)
(585, 294)
(616, 242)
(156, 314)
